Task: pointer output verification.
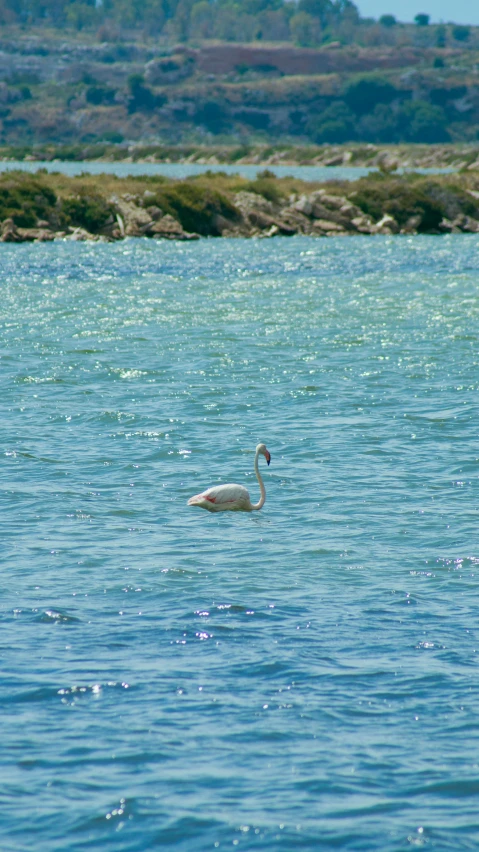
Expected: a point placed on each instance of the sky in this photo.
(459, 11)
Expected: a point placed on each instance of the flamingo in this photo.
(232, 497)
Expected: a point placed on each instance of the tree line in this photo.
(307, 23)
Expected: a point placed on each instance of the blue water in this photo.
(184, 170)
(304, 677)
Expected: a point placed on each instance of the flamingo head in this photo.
(261, 449)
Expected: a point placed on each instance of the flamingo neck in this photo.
(260, 504)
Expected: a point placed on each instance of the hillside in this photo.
(409, 84)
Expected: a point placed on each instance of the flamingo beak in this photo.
(268, 458)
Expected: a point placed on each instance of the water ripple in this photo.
(298, 678)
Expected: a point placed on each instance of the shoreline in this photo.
(456, 156)
(47, 206)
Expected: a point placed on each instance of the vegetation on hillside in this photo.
(383, 107)
(193, 72)
(308, 23)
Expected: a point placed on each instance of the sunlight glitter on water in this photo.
(307, 672)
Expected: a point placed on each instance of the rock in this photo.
(154, 212)
(333, 208)
(386, 225)
(412, 224)
(303, 205)
(168, 228)
(334, 202)
(259, 219)
(471, 226)
(327, 227)
(285, 228)
(239, 227)
(386, 163)
(447, 227)
(262, 222)
(466, 224)
(350, 211)
(113, 228)
(135, 219)
(246, 201)
(234, 232)
(222, 226)
(320, 211)
(334, 161)
(35, 235)
(81, 235)
(270, 232)
(363, 224)
(296, 220)
(321, 205)
(9, 232)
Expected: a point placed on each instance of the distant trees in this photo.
(305, 30)
(306, 23)
(380, 125)
(412, 121)
(441, 36)
(202, 19)
(141, 96)
(388, 20)
(97, 95)
(461, 33)
(363, 95)
(422, 20)
(320, 9)
(334, 125)
(212, 115)
(372, 109)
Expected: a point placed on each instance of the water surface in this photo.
(305, 677)
(185, 170)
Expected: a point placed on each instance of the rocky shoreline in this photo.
(410, 157)
(401, 156)
(220, 205)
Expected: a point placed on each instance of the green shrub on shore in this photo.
(196, 207)
(86, 210)
(26, 199)
(400, 198)
(452, 198)
(71, 153)
(205, 204)
(266, 185)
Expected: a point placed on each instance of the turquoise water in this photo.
(304, 677)
(184, 170)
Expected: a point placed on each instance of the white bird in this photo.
(232, 497)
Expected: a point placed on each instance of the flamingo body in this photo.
(232, 497)
(221, 498)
